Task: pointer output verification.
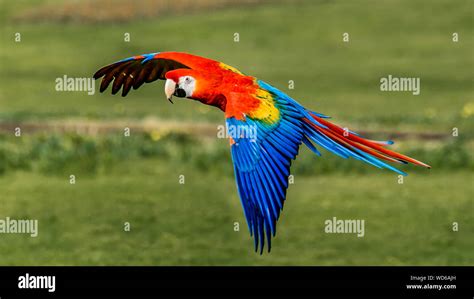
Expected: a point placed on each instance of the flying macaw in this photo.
(266, 127)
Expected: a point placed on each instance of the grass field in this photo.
(181, 224)
(300, 42)
(136, 180)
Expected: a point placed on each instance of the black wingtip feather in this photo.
(133, 73)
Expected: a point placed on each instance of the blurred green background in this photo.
(136, 179)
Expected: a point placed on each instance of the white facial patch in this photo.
(188, 84)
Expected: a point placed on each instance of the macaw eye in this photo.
(187, 80)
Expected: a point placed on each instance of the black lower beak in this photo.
(180, 93)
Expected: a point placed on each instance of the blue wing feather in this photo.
(262, 167)
(262, 164)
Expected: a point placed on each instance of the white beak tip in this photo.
(170, 87)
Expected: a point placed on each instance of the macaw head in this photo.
(180, 83)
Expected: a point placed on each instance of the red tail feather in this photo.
(374, 148)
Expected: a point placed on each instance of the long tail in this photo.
(347, 144)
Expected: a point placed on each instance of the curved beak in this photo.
(170, 87)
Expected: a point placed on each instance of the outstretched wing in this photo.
(146, 68)
(263, 144)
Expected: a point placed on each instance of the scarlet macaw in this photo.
(261, 160)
